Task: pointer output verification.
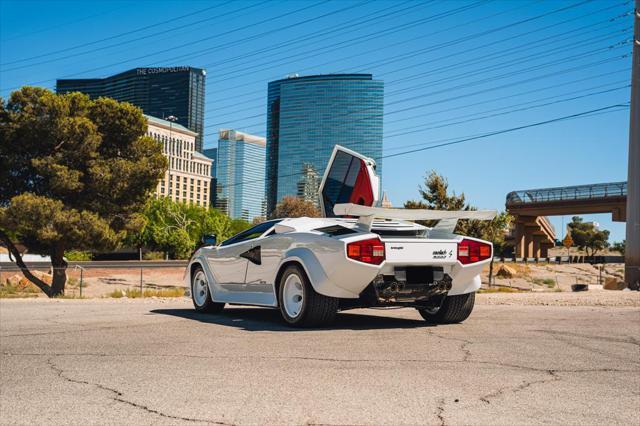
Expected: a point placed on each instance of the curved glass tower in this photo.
(306, 117)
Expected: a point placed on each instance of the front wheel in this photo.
(300, 305)
(200, 294)
(454, 309)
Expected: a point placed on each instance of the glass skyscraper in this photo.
(213, 154)
(240, 173)
(306, 117)
(159, 92)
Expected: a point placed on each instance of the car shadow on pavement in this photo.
(265, 319)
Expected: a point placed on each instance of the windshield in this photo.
(251, 233)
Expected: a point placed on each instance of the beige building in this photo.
(188, 178)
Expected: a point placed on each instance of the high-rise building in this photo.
(213, 154)
(240, 174)
(188, 178)
(306, 117)
(159, 92)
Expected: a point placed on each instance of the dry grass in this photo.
(9, 291)
(549, 282)
(502, 290)
(135, 293)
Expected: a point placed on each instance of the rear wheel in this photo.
(453, 309)
(300, 305)
(200, 294)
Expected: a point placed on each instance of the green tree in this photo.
(75, 174)
(435, 196)
(619, 246)
(168, 226)
(176, 228)
(587, 237)
(294, 207)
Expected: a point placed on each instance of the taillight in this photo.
(471, 251)
(367, 251)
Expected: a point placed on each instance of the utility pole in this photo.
(632, 249)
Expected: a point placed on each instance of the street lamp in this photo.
(171, 119)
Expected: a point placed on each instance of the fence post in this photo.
(141, 293)
(81, 282)
(600, 277)
(490, 272)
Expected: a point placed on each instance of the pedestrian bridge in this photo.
(533, 233)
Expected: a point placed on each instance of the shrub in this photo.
(134, 293)
(9, 291)
(549, 282)
(153, 255)
(78, 256)
(501, 290)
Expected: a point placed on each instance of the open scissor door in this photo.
(349, 178)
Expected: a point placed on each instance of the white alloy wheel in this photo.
(293, 293)
(200, 288)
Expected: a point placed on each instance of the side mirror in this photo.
(209, 240)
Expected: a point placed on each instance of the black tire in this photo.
(207, 305)
(316, 310)
(454, 309)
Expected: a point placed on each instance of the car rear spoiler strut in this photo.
(447, 218)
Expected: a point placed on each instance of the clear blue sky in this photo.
(451, 69)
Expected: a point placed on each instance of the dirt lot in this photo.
(101, 282)
(551, 277)
(542, 277)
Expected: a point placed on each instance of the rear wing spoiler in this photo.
(447, 220)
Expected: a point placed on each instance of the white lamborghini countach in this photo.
(356, 256)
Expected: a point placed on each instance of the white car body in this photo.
(419, 267)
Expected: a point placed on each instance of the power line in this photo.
(339, 45)
(509, 130)
(589, 93)
(136, 30)
(60, 25)
(466, 85)
(438, 46)
(477, 60)
(526, 58)
(582, 114)
(219, 35)
(122, 43)
(349, 25)
(536, 90)
(512, 111)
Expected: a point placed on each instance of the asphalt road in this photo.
(159, 362)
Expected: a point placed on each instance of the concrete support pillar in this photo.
(544, 250)
(519, 237)
(536, 246)
(632, 251)
(528, 244)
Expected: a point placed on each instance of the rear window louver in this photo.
(335, 230)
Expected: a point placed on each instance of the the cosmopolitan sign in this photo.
(161, 70)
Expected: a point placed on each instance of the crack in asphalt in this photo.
(284, 358)
(592, 350)
(118, 397)
(79, 330)
(440, 412)
(630, 340)
(463, 346)
(520, 387)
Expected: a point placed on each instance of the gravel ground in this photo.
(594, 297)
